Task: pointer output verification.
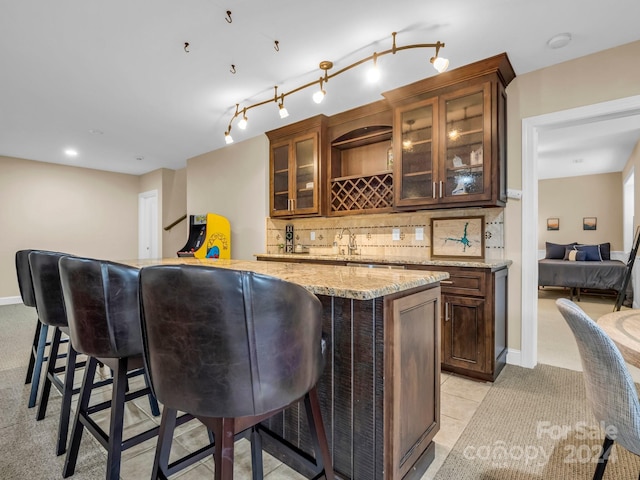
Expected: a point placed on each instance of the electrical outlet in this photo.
(395, 234)
(313, 235)
(419, 233)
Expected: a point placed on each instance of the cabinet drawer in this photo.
(465, 283)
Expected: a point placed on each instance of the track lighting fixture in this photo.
(242, 124)
(284, 113)
(374, 72)
(439, 63)
(319, 95)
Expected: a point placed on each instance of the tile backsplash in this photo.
(374, 233)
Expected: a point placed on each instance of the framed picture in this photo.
(589, 223)
(454, 237)
(553, 224)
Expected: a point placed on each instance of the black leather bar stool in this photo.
(101, 300)
(40, 343)
(50, 306)
(232, 348)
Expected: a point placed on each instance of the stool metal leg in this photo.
(114, 453)
(51, 370)
(78, 426)
(67, 394)
(32, 356)
(39, 360)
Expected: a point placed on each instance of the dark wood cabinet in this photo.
(474, 320)
(473, 316)
(296, 168)
(451, 138)
(436, 143)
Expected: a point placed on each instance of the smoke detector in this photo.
(559, 41)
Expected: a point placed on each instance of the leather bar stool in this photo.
(49, 304)
(101, 301)
(231, 348)
(40, 343)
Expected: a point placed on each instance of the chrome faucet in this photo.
(352, 246)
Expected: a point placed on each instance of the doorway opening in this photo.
(531, 128)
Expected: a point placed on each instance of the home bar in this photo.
(380, 390)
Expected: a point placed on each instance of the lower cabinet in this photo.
(474, 320)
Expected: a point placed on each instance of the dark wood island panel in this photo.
(380, 391)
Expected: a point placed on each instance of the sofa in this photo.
(579, 266)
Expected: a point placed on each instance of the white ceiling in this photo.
(72, 67)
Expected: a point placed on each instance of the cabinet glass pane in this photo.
(416, 167)
(464, 163)
(305, 179)
(281, 178)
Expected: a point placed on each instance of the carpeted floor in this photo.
(534, 424)
(26, 445)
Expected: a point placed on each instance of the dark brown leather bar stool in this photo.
(232, 348)
(101, 301)
(40, 343)
(50, 306)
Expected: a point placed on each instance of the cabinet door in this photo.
(305, 174)
(412, 380)
(416, 169)
(463, 333)
(280, 160)
(466, 145)
(294, 176)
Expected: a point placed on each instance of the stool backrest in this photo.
(25, 283)
(101, 299)
(227, 343)
(46, 287)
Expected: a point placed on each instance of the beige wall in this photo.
(570, 199)
(233, 182)
(604, 76)
(54, 207)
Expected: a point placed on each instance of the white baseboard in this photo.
(514, 357)
(10, 300)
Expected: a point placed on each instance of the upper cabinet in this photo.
(452, 142)
(436, 143)
(296, 168)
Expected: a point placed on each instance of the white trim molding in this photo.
(530, 128)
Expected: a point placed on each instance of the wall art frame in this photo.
(457, 237)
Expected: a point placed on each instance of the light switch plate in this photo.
(313, 235)
(513, 193)
(419, 233)
(395, 234)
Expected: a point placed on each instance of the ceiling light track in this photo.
(439, 63)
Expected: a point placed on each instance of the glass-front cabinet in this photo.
(445, 149)
(466, 144)
(294, 176)
(417, 169)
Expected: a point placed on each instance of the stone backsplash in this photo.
(374, 233)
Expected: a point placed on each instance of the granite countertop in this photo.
(336, 281)
(493, 264)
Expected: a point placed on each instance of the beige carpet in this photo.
(534, 424)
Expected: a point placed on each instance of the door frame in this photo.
(531, 126)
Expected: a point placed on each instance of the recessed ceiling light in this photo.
(71, 152)
(559, 41)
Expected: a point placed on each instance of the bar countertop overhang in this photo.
(335, 281)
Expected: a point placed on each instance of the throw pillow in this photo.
(556, 251)
(605, 251)
(577, 256)
(592, 252)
